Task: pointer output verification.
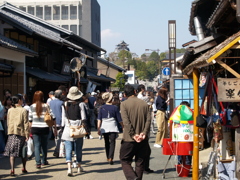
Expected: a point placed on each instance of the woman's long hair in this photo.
(38, 99)
(163, 93)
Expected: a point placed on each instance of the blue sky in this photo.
(143, 24)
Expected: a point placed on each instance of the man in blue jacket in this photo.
(56, 107)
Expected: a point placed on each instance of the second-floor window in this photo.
(73, 12)
(31, 10)
(73, 28)
(22, 8)
(65, 27)
(64, 12)
(39, 12)
(48, 12)
(56, 12)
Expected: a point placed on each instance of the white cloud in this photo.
(109, 34)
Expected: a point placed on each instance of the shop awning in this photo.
(46, 76)
(7, 69)
(97, 84)
(68, 78)
(212, 56)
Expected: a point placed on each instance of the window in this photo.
(73, 12)
(65, 26)
(183, 91)
(73, 28)
(80, 30)
(22, 8)
(56, 12)
(48, 12)
(31, 10)
(39, 12)
(130, 77)
(64, 12)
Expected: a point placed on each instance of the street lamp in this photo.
(172, 43)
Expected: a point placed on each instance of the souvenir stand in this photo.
(221, 107)
(181, 138)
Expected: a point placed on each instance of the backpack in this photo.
(73, 111)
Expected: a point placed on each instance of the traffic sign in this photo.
(166, 71)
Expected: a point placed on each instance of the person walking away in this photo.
(56, 107)
(108, 119)
(72, 117)
(98, 103)
(145, 96)
(18, 132)
(136, 120)
(162, 125)
(64, 92)
(7, 106)
(39, 128)
(152, 104)
(85, 115)
(91, 102)
(50, 97)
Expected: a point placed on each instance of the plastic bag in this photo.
(62, 149)
(30, 146)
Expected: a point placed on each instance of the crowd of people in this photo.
(131, 112)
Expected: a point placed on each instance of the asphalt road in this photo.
(94, 164)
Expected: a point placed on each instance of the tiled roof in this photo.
(30, 24)
(11, 44)
(110, 64)
(46, 29)
(46, 76)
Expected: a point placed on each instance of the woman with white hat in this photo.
(108, 118)
(73, 115)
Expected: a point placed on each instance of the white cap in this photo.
(93, 93)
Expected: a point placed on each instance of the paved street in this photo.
(94, 164)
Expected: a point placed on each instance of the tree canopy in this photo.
(120, 81)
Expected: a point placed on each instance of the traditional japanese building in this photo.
(46, 52)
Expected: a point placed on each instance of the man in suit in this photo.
(136, 118)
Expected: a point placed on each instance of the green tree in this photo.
(123, 57)
(152, 69)
(154, 56)
(144, 57)
(120, 81)
(163, 55)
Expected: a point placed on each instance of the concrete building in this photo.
(82, 17)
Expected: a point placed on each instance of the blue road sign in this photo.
(166, 71)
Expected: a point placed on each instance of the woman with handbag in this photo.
(18, 132)
(73, 117)
(39, 128)
(108, 118)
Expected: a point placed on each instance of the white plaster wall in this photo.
(12, 55)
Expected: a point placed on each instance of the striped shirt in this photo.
(39, 126)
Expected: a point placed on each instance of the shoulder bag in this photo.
(76, 131)
(48, 118)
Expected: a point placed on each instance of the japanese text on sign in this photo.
(228, 89)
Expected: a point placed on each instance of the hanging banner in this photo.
(182, 132)
(228, 89)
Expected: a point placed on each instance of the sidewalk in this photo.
(94, 164)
